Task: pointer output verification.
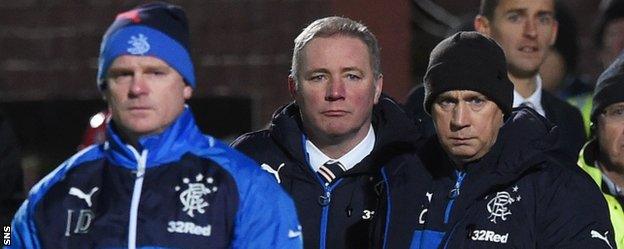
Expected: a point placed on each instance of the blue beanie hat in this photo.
(155, 29)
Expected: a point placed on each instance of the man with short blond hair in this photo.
(327, 148)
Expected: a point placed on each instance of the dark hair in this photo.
(567, 36)
(614, 10)
(487, 8)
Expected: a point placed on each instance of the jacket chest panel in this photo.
(502, 219)
(178, 204)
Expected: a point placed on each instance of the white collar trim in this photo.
(349, 160)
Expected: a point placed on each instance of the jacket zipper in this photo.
(325, 201)
(136, 195)
(453, 195)
(388, 207)
(449, 207)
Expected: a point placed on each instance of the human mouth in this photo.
(528, 49)
(457, 141)
(335, 113)
(138, 108)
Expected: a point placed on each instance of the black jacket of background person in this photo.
(558, 112)
(516, 196)
(11, 177)
(354, 199)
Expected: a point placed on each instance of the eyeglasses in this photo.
(614, 113)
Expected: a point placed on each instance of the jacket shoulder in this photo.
(557, 105)
(251, 140)
(570, 208)
(260, 196)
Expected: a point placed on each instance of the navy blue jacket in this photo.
(339, 215)
(182, 189)
(516, 196)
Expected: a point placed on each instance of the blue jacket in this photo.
(516, 196)
(183, 189)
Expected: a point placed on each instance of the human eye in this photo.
(617, 112)
(514, 17)
(446, 103)
(476, 102)
(545, 19)
(156, 72)
(120, 75)
(353, 76)
(317, 77)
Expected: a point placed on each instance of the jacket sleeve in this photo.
(573, 214)
(266, 216)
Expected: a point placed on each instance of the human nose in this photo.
(530, 28)
(138, 86)
(335, 90)
(461, 117)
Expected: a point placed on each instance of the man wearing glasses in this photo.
(603, 156)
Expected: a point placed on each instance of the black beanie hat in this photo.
(609, 88)
(469, 61)
(155, 29)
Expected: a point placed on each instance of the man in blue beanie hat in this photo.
(157, 181)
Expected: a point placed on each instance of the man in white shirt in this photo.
(526, 29)
(327, 148)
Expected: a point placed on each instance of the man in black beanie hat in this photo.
(496, 184)
(603, 156)
(157, 181)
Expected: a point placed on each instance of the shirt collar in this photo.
(535, 99)
(614, 189)
(349, 160)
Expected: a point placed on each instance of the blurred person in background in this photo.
(526, 30)
(96, 130)
(609, 41)
(558, 72)
(11, 174)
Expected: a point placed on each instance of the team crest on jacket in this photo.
(498, 207)
(139, 44)
(192, 197)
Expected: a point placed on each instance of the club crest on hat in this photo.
(139, 45)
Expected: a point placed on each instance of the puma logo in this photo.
(86, 197)
(275, 173)
(597, 235)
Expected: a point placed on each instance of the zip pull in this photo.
(455, 190)
(141, 160)
(142, 164)
(325, 199)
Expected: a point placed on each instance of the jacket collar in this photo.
(180, 137)
(395, 133)
(524, 143)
